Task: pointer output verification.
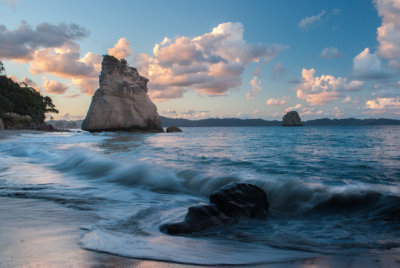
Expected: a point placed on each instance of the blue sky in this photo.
(248, 59)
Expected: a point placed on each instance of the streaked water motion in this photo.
(331, 189)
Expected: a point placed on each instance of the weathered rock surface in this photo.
(173, 129)
(121, 102)
(227, 205)
(291, 119)
(1, 124)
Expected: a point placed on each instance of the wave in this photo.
(286, 196)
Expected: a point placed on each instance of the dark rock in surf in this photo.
(241, 199)
(291, 119)
(227, 205)
(173, 129)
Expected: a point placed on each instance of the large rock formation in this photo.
(227, 205)
(291, 119)
(121, 102)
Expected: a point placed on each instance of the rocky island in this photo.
(121, 103)
(291, 119)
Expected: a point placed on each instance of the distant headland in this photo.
(236, 122)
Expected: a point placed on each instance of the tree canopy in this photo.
(22, 99)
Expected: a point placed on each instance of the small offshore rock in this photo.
(173, 129)
(291, 119)
(227, 205)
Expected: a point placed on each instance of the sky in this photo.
(219, 58)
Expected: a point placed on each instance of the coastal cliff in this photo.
(121, 103)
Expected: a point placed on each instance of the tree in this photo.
(23, 100)
(2, 69)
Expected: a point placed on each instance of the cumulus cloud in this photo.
(121, 49)
(66, 62)
(54, 87)
(368, 66)
(276, 101)
(330, 53)
(325, 88)
(21, 43)
(211, 64)
(389, 31)
(383, 105)
(255, 88)
(305, 23)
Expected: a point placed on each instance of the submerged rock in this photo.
(121, 102)
(291, 119)
(173, 129)
(227, 205)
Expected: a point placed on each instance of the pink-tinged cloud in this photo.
(54, 87)
(255, 88)
(121, 49)
(65, 62)
(325, 88)
(389, 31)
(210, 64)
(276, 101)
(22, 42)
(383, 106)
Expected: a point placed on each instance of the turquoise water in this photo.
(332, 190)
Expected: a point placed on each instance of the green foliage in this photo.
(2, 69)
(23, 100)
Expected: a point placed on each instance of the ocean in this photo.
(331, 190)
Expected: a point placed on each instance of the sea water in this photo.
(331, 190)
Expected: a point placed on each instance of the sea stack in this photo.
(121, 103)
(291, 119)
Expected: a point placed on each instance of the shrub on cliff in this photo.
(22, 99)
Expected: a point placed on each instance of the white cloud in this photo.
(383, 106)
(330, 53)
(54, 87)
(349, 99)
(121, 49)
(255, 88)
(304, 111)
(368, 66)
(325, 88)
(337, 112)
(389, 31)
(276, 101)
(210, 64)
(308, 21)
